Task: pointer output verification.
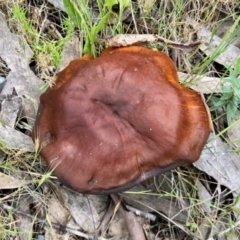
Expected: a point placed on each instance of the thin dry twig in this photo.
(138, 212)
(122, 40)
(133, 18)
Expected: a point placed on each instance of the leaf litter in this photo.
(21, 92)
(21, 81)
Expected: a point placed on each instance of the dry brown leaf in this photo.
(200, 83)
(24, 224)
(118, 229)
(57, 214)
(16, 53)
(9, 111)
(70, 52)
(58, 4)
(14, 139)
(2, 82)
(204, 196)
(219, 161)
(82, 210)
(150, 203)
(229, 56)
(9, 182)
(234, 134)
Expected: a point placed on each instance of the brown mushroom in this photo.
(114, 121)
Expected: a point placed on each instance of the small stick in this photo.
(141, 213)
(122, 40)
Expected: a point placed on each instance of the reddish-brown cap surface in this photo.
(114, 121)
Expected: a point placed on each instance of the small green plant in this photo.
(192, 226)
(230, 93)
(83, 18)
(231, 35)
(47, 51)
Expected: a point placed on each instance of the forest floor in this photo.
(39, 38)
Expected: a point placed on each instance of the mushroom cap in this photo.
(114, 121)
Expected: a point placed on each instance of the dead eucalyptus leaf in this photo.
(210, 43)
(2, 82)
(229, 56)
(14, 139)
(234, 134)
(24, 224)
(15, 51)
(224, 27)
(9, 182)
(58, 4)
(118, 228)
(204, 196)
(82, 210)
(201, 83)
(9, 111)
(150, 203)
(57, 214)
(219, 161)
(71, 51)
